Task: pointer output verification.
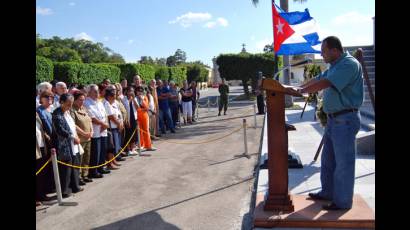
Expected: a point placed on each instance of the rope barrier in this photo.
(165, 140)
(42, 167)
(107, 162)
(201, 142)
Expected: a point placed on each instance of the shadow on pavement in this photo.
(152, 220)
(148, 220)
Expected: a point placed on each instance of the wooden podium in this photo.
(278, 198)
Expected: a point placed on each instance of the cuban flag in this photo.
(294, 32)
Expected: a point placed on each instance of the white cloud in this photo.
(71, 3)
(222, 22)
(83, 36)
(259, 45)
(219, 22)
(352, 28)
(44, 11)
(186, 20)
(352, 18)
(106, 38)
(130, 41)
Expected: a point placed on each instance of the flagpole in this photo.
(286, 62)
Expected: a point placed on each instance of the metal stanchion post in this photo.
(57, 181)
(208, 104)
(254, 114)
(217, 102)
(139, 139)
(245, 139)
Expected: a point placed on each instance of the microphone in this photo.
(308, 60)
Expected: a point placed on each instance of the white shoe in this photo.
(132, 153)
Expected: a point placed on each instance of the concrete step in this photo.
(368, 58)
(365, 143)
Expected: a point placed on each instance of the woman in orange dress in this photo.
(143, 119)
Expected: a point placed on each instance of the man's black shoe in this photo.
(97, 175)
(81, 182)
(332, 207)
(104, 171)
(173, 131)
(87, 180)
(315, 196)
(120, 159)
(66, 195)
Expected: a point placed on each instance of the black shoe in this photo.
(97, 175)
(66, 195)
(120, 159)
(78, 190)
(332, 207)
(46, 198)
(316, 196)
(104, 171)
(219, 114)
(163, 132)
(87, 180)
(81, 182)
(224, 114)
(173, 131)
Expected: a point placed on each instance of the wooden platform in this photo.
(309, 213)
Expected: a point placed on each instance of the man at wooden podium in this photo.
(342, 83)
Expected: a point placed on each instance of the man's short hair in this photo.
(92, 86)
(61, 83)
(65, 97)
(333, 42)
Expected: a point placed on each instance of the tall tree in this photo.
(180, 56)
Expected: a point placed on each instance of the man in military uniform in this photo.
(223, 98)
(342, 96)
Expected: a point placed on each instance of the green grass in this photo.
(295, 107)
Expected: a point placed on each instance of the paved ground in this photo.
(204, 186)
(304, 141)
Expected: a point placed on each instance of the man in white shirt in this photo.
(98, 116)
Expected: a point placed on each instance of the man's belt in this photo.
(333, 115)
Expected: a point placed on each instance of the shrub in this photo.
(44, 69)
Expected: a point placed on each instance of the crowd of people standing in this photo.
(90, 125)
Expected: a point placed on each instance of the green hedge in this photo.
(162, 72)
(197, 73)
(177, 74)
(44, 69)
(73, 72)
(128, 71)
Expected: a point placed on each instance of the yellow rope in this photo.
(42, 167)
(97, 166)
(201, 142)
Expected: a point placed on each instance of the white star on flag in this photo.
(279, 27)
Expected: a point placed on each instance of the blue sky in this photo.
(201, 28)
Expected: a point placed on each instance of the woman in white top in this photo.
(115, 126)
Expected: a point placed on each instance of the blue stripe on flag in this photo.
(296, 48)
(296, 17)
(312, 38)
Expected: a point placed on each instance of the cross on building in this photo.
(243, 47)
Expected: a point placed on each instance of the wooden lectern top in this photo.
(271, 84)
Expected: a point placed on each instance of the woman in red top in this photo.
(143, 119)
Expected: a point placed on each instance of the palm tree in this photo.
(255, 2)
